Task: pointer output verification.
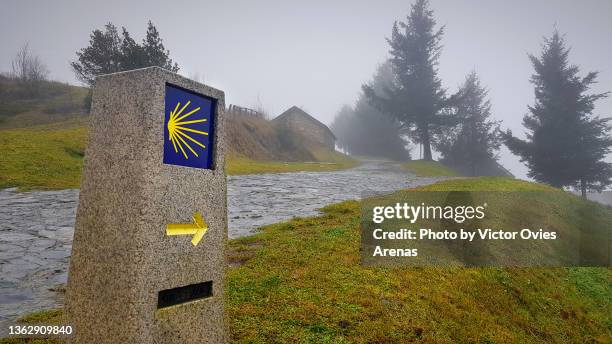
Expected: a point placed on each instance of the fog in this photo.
(316, 54)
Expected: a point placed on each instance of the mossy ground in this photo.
(424, 168)
(47, 317)
(301, 282)
(510, 205)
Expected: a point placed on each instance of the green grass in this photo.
(50, 102)
(488, 184)
(301, 282)
(43, 157)
(51, 157)
(326, 161)
(512, 205)
(47, 317)
(424, 168)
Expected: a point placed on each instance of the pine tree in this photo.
(416, 98)
(102, 56)
(132, 55)
(566, 144)
(109, 52)
(363, 130)
(473, 145)
(346, 130)
(156, 53)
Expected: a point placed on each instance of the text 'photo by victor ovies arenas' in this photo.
(404, 171)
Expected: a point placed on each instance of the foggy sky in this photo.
(316, 54)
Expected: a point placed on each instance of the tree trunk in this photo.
(426, 145)
(583, 188)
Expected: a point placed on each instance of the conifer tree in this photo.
(416, 98)
(473, 145)
(157, 54)
(102, 56)
(364, 130)
(132, 55)
(109, 52)
(566, 144)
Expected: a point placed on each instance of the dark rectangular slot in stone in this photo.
(176, 296)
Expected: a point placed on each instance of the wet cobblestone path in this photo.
(35, 241)
(36, 228)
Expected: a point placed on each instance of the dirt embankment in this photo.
(260, 139)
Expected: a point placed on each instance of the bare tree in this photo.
(38, 70)
(28, 67)
(20, 63)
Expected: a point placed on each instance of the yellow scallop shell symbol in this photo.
(179, 130)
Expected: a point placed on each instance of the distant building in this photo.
(315, 132)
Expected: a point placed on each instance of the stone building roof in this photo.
(294, 110)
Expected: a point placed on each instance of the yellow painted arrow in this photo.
(197, 228)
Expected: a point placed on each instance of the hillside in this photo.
(258, 145)
(260, 139)
(43, 134)
(422, 168)
(51, 157)
(24, 105)
(301, 281)
(43, 157)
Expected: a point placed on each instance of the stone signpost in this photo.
(148, 254)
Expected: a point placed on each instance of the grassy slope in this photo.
(50, 157)
(537, 206)
(43, 157)
(305, 284)
(46, 153)
(423, 168)
(42, 137)
(257, 146)
(300, 281)
(52, 102)
(237, 164)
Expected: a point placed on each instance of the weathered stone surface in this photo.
(121, 256)
(27, 270)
